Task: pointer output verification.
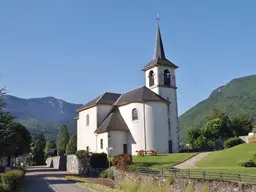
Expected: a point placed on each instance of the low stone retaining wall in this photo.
(180, 184)
(68, 163)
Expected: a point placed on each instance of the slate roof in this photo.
(113, 122)
(105, 98)
(159, 54)
(139, 95)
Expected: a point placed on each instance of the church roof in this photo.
(105, 98)
(113, 122)
(139, 95)
(159, 54)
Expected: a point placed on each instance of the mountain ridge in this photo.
(236, 98)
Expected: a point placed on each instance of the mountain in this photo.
(238, 97)
(42, 115)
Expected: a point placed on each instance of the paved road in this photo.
(43, 179)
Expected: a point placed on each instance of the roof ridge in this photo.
(100, 97)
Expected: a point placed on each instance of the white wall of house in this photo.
(136, 136)
(85, 133)
(156, 126)
(116, 140)
(102, 137)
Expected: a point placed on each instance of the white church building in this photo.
(142, 119)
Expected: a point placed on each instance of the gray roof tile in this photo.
(139, 95)
(113, 122)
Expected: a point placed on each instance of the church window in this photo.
(134, 114)
(101, 143)
(167, 77)
(151, 78)
(87, 120)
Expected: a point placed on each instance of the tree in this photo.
(50, 144)
(38, 148)
(241, 126)
(72, 145)
(62, 140)
(21, 140)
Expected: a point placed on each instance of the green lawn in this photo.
(228, 160)
(161, 160)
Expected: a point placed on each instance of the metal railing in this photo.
(195, 174)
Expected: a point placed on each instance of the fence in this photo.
(196, 174)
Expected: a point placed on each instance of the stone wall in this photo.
(73, 164)
(180, 184)
(68, 163)
(58, 162)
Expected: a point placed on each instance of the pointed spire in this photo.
(159, 48)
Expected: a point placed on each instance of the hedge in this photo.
(12, 180)
(233, 142)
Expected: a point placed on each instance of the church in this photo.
(142, 119)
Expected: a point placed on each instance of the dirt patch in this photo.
(102, 181)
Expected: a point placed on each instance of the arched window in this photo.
(87, 120)
(134, 114)
(167, 77)
(151, 78)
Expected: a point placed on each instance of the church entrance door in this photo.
(124, 148)
(170, 146)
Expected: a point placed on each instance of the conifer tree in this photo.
(62, 140)
(72, 145)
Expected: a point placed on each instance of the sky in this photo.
(76, 50)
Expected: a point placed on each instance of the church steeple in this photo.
(159, 54)
(159, 47)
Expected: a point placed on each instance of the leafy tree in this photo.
(241, 126)
(72, 145)
(50, 144)
(38, 148)
(62, 140)
(21, 140)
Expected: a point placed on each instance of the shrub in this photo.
(99, 160)
(11, 180)
(107, 174)
(233, 142)
(122, 161)
(249, 163)
(81, 154)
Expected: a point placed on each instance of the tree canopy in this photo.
(62, 140)
(72, 145)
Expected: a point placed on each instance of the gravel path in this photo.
(43, 179)
(191, 163)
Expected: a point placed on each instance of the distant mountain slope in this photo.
(238, 97)
(42, 115)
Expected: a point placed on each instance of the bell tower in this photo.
(160, 78)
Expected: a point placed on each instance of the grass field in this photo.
(161, 160)
(228, 160)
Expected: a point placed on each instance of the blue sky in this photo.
(75, 50)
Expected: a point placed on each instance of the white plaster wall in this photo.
(136, 135)
(156, 126)
(103, 111)
(85, 134)
(116, 140)
(103, 136)
(171, 94)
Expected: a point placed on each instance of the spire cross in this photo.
(158, 17)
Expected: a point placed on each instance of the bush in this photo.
(81, 154)
(99, 160)
(233, 142)
(107, 174)
(249, 163)
(12, 180)
(122, 161)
